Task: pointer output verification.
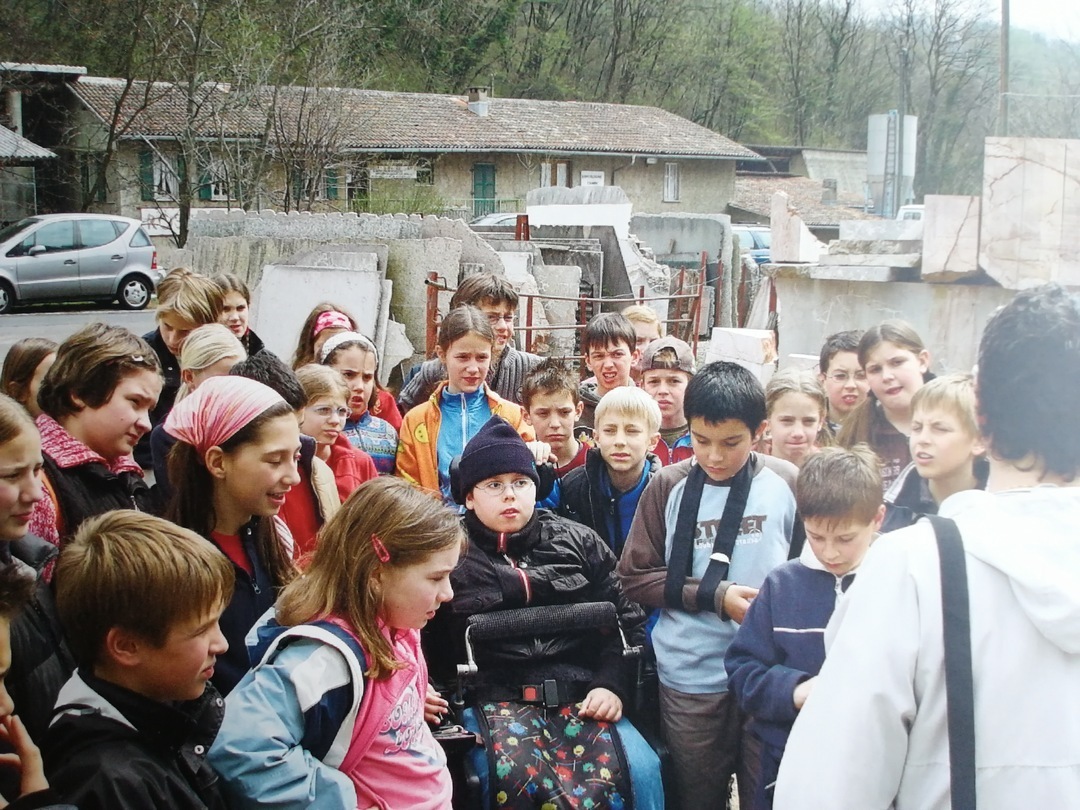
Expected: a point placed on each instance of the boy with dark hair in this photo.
(775, 657)
(140, 599)
(604, 493)
(842, 375)
(667, 367)
(876, 732)
(494, 296)
(708, 531)
(552, 406)
(609, 345)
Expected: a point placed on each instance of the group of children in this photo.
(506, 483)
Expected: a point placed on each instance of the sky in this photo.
(1053, 18)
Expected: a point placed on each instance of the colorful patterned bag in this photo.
(551, 759)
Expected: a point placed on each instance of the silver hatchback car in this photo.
(77, 257)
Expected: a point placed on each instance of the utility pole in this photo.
(898, 185)
(1003, 95)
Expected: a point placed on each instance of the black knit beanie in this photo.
(495, 449)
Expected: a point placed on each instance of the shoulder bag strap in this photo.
(726, 535)
(681, 559)
(959, 682)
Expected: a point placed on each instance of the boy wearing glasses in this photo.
(496, 298)
(842, 376)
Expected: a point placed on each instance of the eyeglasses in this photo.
(494, 318)
(842, 377)
(325, 411)
(497, 488)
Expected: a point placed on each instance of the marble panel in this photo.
(950, 238)
(791, 239)
(1030, 228)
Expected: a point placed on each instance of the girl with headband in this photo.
(354, 357)
(296, 732)
(324, 322)
(234, 460)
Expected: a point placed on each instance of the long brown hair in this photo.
(858, 427)
(305, 345)
(340, 580)
(22, 360)
(191, 504)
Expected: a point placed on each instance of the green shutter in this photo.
(331, 183)
(205, 183)
(146, 174)
(181, 170)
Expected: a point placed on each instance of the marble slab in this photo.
(1030, 229)
(950, 238)
(791, 239)
(875, 229)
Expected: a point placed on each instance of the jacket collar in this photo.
(68, 452)
(516, 544)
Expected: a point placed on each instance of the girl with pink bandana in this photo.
(235, 458)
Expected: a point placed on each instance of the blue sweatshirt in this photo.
(781, 643)
(462, 417)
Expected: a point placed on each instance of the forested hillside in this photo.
(783, 72)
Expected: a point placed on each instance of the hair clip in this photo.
(380, 549)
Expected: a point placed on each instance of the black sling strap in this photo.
(959, 682)
(681, 562)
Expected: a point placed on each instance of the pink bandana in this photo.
(216, 410)
(331, 320)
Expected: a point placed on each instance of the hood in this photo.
(1029, 535)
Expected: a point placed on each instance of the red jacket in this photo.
(351, 466)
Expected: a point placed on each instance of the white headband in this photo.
(347, 337)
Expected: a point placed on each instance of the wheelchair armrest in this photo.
(534, 621)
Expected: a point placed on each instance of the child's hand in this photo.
(541, 452)
(26, 757)
(601, 704)
(435, 706)
(802, 692)
(737, 601)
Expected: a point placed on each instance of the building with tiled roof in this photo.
(821, 207)
(388, 151)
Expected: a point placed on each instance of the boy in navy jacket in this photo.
(776, 655)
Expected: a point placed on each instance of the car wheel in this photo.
(7, 298)
(134, 293)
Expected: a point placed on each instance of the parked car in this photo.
(77, 257)
(755, 240)
(495, 220)
(910, 212)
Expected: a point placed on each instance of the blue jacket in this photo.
(462, 416)
(781, 643)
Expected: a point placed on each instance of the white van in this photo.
(910, 212)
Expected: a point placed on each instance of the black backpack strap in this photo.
(959, 682)
(798, 538)
(681, 560)
(726, 535)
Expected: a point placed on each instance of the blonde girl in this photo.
(324, 418)
(896, 364)
(435, 431)
(346, 637)
(357, 360)
(797, 407)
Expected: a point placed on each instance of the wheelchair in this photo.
(512, 713)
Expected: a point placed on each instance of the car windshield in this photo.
(765, 237)
(15, 227)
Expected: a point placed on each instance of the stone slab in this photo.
(843, 247)
(323, 227)
(803, 362)
(746, 345)
(874, 259)
(581, 205)
(325, 254)
(949, 317)
(398, 348)
(410, 261)
(285, 295)
(1030, 223)
(791, 239)
(841, 272)
(878, 229)
(562, 281)
(950, 238)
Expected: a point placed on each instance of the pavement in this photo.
(57, 324)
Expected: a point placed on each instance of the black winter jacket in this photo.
(170, 370)
(563, 563)
(909, 498)
(91, 489)
(113, 749)
(41, 662)
(582, 497)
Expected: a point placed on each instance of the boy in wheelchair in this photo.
(549, 706)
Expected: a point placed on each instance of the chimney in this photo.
(828, 192)
(478, 101)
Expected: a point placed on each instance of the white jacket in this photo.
(873, 732)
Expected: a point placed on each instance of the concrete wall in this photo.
(949, 318)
